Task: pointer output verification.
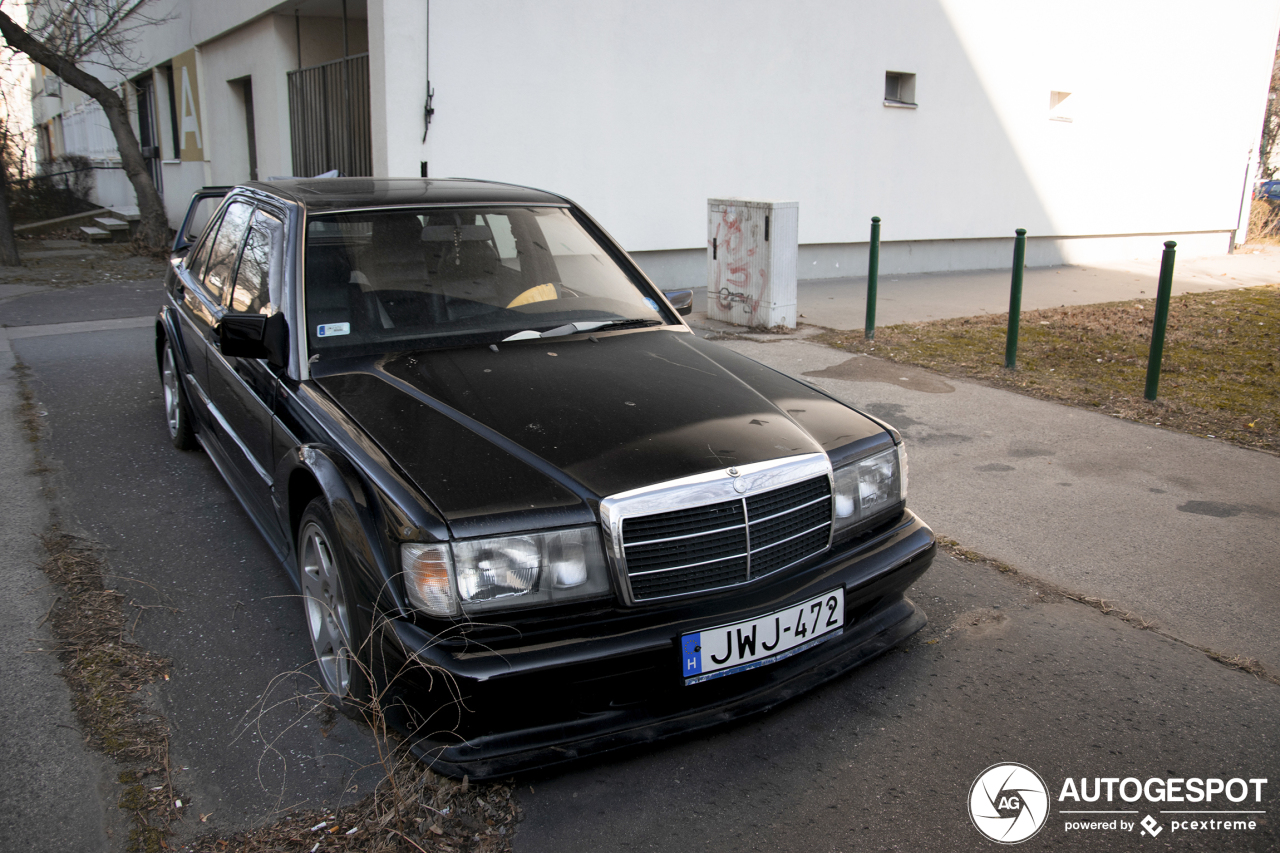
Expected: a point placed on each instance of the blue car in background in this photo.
(1270, 190)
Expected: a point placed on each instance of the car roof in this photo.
(344, 193)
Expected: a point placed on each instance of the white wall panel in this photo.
(264, 51)
(642, 110)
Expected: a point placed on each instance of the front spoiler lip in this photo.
(501, 754)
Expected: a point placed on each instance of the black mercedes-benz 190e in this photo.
(532, 516)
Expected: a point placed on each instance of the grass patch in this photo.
(1221, 369)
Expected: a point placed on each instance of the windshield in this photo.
(379, 280)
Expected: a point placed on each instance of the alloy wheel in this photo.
(328, 621)
(172, 398)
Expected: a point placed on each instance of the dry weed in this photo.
(108, 673)
(413, 809)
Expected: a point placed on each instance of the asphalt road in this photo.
(884, 758)
(247, 739)
(44, 760)
(881, 759)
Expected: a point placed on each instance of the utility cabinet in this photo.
(751, 261)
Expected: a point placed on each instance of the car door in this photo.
(243, 390)
(198, 293)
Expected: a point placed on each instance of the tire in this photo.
(177, 409)
(330, 613)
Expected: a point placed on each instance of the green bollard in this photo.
(1015, 299)
(1163, 295)
(873, 273)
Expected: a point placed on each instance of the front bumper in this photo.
(492, 711)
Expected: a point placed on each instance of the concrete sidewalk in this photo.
(1176, 529)
(55, 789)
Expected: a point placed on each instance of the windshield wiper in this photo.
(580, 327)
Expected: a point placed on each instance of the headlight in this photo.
(866, 487)
(487, 574)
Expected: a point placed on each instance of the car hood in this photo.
(553, 422)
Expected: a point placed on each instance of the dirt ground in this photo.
(63, 260)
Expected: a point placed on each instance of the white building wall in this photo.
(234, 40)
(397, 85)
(86, 132)
(643, 110)
(262, 51)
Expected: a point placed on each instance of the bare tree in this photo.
(14, 109)
(1271, 123)
(63, 37)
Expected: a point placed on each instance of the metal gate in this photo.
(329, 117)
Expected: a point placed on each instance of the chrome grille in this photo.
(726, 543)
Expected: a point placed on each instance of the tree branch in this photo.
(154, 230)
(21, 40)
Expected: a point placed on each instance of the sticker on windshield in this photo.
(652, 304)
(329, 330)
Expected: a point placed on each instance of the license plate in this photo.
(745, 645)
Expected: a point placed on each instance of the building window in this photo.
(899, 89)
(1059, 108)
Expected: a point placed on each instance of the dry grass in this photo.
(1264, 222)
(108, 675)
(413, 809)
(1221, 369)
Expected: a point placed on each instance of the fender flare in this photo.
(167, 330)
(357, 514)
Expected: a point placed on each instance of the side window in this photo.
(258, 278)
(205, 208)
(226, 248)
(199, 257)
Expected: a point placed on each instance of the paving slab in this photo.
(1179, 529)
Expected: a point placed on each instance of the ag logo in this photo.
(1008, 803)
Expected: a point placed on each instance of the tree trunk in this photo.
(8, 243)
(153, 229)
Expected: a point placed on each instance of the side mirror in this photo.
(255, 336)
(681, 300)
